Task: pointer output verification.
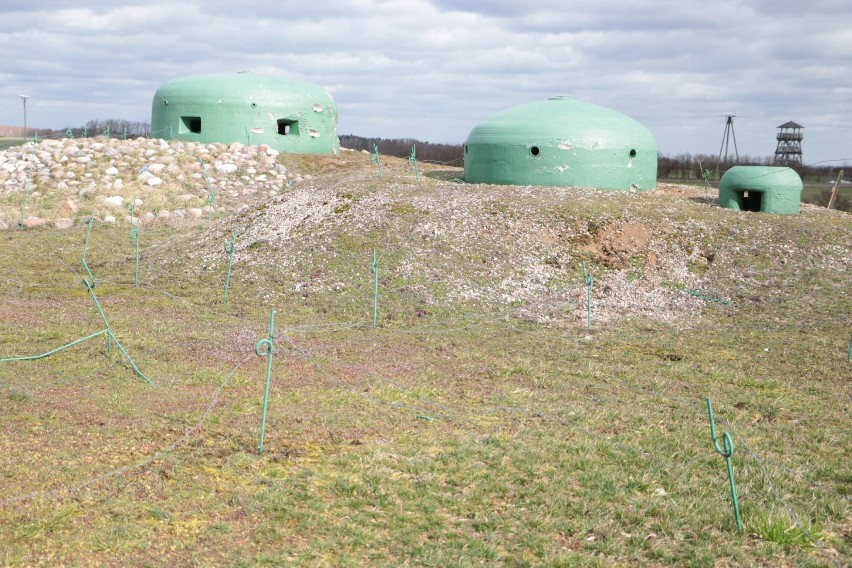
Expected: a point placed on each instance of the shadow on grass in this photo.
(446, 175)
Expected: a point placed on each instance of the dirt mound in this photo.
(617, 242)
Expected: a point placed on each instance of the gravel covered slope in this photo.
(309, 227)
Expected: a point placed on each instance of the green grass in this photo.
(468, 435)
(7, 142)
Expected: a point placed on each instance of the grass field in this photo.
(6, 142)
(461, 430)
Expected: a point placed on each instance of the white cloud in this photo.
(433, 69)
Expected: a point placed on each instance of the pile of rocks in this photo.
(60, 182)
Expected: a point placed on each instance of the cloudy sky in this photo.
(433, 69)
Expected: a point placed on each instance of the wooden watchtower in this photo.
(789, 149)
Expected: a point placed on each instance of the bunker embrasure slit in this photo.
(287, 127)
(190, 124)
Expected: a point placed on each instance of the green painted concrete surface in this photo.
(285, 114)
(562, 142)
(769, 189)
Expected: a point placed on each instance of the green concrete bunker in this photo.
(254, 109)
(768, 189)
(562, 142)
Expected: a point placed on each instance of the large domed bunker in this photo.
(562, 142)
(285, 114)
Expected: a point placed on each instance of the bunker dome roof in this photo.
(238, 86)
(565, 118)
(562, 142)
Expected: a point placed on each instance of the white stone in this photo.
(156, 168)
(154, 181)
(83, 159)
(63, 223)
(114, 201)
(225, 168)
(109, 219)
(111, 171)
(195, 212)
(149, 216)
(118, 185)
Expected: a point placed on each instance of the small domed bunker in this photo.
(769, 189)
(562, 142)
(285, 114)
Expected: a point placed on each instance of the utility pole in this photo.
(24, 98)
(726, 138)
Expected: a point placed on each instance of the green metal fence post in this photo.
(263, 348)
(374, 157)
(90, 220)
(412, 159)
(727, 452)
(705, 174)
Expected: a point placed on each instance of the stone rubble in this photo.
(100, 176)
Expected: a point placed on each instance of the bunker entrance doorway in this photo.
(190, 124)
(752, 200)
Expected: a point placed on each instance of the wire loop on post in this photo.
(727, 452)
(264, 348)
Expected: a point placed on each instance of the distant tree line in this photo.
(686, 167)
(449, 154)
(117, 129)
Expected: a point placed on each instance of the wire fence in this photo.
(362, 332)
